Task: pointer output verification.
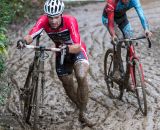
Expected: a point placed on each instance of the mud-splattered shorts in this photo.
(69, 61)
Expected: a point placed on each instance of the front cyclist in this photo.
(115, 13)
(64, 29)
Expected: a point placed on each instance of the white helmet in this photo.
(53, 7)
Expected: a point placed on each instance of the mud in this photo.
(60, 113)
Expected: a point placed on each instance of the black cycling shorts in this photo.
(69, 61)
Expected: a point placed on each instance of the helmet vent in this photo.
(48, 8)
(57, 2)
(60, 8)
(52, 10)
(56, 9)
(45, 7)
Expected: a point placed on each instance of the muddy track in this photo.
(61, 114)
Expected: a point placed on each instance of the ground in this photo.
(60, 113)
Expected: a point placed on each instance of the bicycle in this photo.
(133, 72)
(32, 94)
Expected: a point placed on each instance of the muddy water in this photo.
(60, 113)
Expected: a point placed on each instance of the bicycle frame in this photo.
(133, 71)
(37, 69)
(34, 84)
(131, 57)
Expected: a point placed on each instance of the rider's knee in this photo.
(66, 80)
(81, 77)
(81, 70)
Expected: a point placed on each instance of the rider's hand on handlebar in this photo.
(21, 44)
(148, 33)
(114, 40)
(148, 36)
(28, 38)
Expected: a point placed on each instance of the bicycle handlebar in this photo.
(42, 47)
(137, 38)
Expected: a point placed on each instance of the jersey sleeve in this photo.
(38, 27)
(74, 31)
(140, 13)
(110, 7)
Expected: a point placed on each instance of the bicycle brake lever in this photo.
(149, 42)
(62, 56)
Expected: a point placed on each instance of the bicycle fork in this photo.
(133, 73)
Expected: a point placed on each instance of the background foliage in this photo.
(11, 11)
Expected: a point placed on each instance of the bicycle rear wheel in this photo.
(114, 90)
(140, 86)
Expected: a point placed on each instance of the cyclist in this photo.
(63, 29)
(114, 14)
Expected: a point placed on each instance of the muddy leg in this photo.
(81, 71)
(117, 62)
(68, 85)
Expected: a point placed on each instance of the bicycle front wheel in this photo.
(38, 97)
(140, 87)
(114, 90)
(32, 107)
(38, 103)
(27, 96)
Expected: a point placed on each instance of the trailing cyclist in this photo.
(63, 29)
(114, 14)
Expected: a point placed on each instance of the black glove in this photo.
(21, 44)
(148, 33)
